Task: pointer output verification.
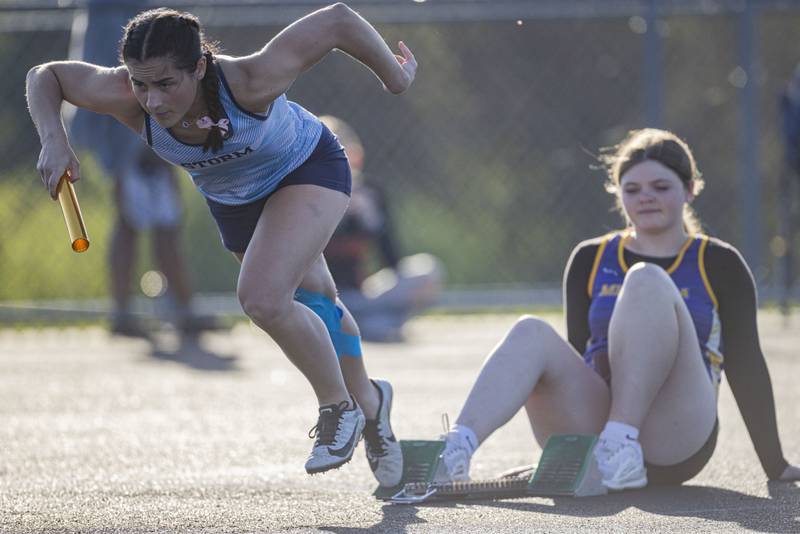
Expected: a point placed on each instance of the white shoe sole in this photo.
(633, 484)
(328, 467)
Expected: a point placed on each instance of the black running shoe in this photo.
(383, 451)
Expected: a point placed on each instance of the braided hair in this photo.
(169, 33)
(210, 85)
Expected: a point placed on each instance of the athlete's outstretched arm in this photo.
(745, 366)
(98, 89)
(271, 71)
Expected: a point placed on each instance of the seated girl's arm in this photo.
(576, 296)
(268, 73)
(744, 363)
(98, 89)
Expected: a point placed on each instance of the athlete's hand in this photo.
(791, 473)
(55, 158)
(409, 65)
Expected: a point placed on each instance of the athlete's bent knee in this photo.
(262, 310)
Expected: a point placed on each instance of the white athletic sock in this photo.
(466, 436)
(620, 431)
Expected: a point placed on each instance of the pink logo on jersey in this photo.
(206, 123)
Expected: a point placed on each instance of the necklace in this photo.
(206, 123)
(188, 123)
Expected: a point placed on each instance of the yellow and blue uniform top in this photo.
(689, 274)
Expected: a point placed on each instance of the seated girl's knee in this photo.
(530, 327)
(643, 268)
(646, 276)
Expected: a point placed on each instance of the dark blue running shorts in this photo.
(327, 166)
(673, 475)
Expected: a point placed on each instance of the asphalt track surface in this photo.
(100, 434)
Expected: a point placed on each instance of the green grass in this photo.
(37, 262)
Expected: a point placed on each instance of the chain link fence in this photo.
(489, 160)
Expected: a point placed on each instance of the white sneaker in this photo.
(337, 433)
(455, 459)
(383, 451)
(621, 464)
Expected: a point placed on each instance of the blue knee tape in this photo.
(346, 344)
(327, 310)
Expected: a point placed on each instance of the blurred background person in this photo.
(381, 301)
(790, 118)
(790, 114)
(146, 194)
(146, 197)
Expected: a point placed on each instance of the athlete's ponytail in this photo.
(215, 111)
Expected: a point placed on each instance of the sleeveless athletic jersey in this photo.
(688, 273)
(261, 149)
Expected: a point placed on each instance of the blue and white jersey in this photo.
(260, 150)
(689, 274)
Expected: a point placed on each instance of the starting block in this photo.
(566, 468)
(420, 465)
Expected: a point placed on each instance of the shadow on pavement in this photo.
(191, 353)
(761, 514)
(394, 519)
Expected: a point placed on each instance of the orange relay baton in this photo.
(72, 214)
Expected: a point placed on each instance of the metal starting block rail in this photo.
(566, 468)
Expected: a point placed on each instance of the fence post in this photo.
(748, 143)
(782, 250)
(653, 67)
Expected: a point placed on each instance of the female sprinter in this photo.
(276, 180)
